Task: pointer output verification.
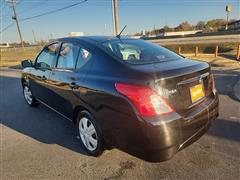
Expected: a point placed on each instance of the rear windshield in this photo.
(139, 51)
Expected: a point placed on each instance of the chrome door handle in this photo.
(73, 85)
(43, 78)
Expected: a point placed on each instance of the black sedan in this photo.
(124, 93)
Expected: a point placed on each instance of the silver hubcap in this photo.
(88, 134)
(28, 95)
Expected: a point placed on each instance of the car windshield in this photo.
(139, 51)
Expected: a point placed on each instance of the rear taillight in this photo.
(146, 101)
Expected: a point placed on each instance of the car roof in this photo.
(94, 39)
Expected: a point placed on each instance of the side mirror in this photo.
(27, 63)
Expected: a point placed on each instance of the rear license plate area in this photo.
(197, 92)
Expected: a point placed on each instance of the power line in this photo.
(6, 28)
(43, 14)
(35, 6)
(53, 11)
(2, 3)
(5, 15)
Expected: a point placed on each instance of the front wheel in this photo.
(31, 101)
(90, 133)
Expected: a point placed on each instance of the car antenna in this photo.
(119, 35)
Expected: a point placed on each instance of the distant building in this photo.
(175, 33)
(180, 33)
(73, 34)
(235, 25)
(135, 37)
(4, 45)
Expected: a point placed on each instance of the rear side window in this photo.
(83, 57)
(68, 56)
(47, 56)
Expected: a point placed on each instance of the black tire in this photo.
(33, 102)
(100, 143)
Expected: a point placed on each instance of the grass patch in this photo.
(14, 56)
(229, 48)
(219, 61)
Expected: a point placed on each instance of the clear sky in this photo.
(95, 16)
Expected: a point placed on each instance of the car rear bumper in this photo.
(163, 138)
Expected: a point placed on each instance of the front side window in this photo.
(47, 56)
(138, 51)
(68, 56)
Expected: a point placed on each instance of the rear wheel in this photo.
(31, 101)
(90, 133)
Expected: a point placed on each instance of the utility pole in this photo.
(34, 37)
(13, 3)
(115, 15)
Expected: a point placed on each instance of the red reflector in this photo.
(146, 101)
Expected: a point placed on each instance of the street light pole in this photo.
(226, 28)
(115, 15)
(228, 9)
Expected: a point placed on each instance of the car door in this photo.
(41, 71)
(65, 79)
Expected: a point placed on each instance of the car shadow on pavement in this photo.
(225, 129)
(39, 123)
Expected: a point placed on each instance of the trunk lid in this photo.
(174, 79)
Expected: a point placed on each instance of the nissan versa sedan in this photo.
(124, 93)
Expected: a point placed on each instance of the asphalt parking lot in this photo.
(38, 143)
